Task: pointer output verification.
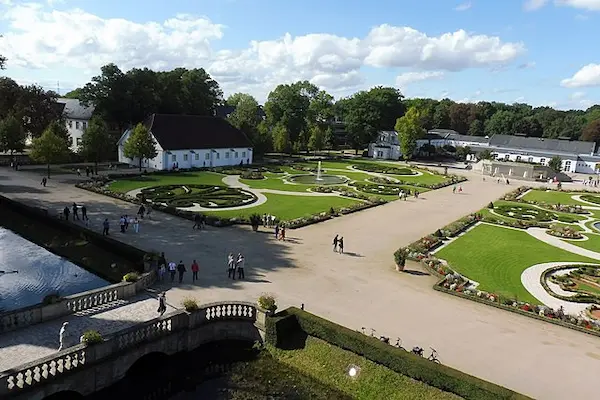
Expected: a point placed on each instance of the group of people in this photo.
(126, 220)
(174, 269)
(457, 189)
(280, 232)
(338, 244)
(199, 221)
(269, 220)
(236, 264)
(67, 212)
(404, 194)
(144, 211)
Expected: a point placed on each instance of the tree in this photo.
(591, 131)
(462, 152)
(555, 163)
(281, 139)
(58, 128)
(460, 117)
(2, 60)
(49, 148)
(409, 130)
(37, 108)
(316, 141)
(96, 142)
(246, 117)
(441, 116)
(140, 144)
(12, 135)
(477, 128)
(73, 94)
(501, 123)
(485, 155)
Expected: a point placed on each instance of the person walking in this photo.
(196, 222)
(231, 266)
(172, 270)
(75, 212)
(195, 269)
(181, 270)
(341, 245)
(84, 213)
(62, 336)
(240, 263)
(148, 211)
(136, 225)
(66, 213)
(162, 270)
(122, 223)
(126, 221)
(282, 234)
(162, 304)
(141, 211)
(105, 227)
(335, 243)
(460, 189)
(44, 181)
(276, 231)
(454, 189)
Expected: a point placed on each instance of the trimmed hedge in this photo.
(293, 321)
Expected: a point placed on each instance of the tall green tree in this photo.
(591, 131)
(318, 133)
(246, 118)
(555, 163)
(96, 141)
(49, 148)
(441, 116)
(12, 135)
(73, 94)
(58, 128)
(140, 144)
(409, 131)
(37, 108)
(477, 128)
(2, 59)
(281, 139)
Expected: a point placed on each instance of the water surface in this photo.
(40, 273)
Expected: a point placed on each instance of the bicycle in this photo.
(433, 356)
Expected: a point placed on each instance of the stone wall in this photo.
(89, 368)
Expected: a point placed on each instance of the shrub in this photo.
(268, 302)
(51, 298)
(91, 336)
(131, 277)
(257, 175)
(491, 206)
(400, 361)
(190, 304)
(255, 219)
(400, 257)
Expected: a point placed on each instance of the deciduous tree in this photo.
(477, 128)
(246, 118)
(96, 141)
(12, 135)
(281, 139)
(555, 163)
(591, 131)
(140, 144)
(49, 148)
(318, 133)
(485, 155)
(2, 59)
(409, 130)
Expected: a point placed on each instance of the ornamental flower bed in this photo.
(460, 225)
(564, 232)
(515, 194)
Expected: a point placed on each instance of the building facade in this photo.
(190, 141)
(77, 116)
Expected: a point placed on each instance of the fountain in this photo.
(319, 172)
(318, 179)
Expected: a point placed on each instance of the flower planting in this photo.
(564, 232)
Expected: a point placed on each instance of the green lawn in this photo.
(286, 207)
(593, 242)
(567, 217)
(496, 257)
(200, 178)
(552, 197)
(588, 288)
(327, 364)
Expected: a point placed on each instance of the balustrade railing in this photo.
(17, 319)
(230, 310)
(149, 331)
(91, 300)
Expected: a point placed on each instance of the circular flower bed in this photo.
(256, 175)
(382, 180)
(377, 189)
(564, 232)
(590, 198)
(524, 212)
(208, 196)
(381, 169)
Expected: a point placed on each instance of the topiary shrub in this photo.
(91, 336)
(190, 304)
(268, 302)
(131, 277)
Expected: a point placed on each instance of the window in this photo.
(567, 166)
(70, 124)
(84, 125)
(506, 157)
(207, 156)
(243, 154)
(518, 158)
(197, 156)
(218, 156)
(76, 124)
(542, 161)
(174, 157)
(530, 159)
(226, 154)
(236, 154)
(185, 157)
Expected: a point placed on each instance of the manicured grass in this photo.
(593, 242)
(496, 257)
(567, 217)
(200, 178)
(552, 197)
(286, 207)
(585, 287)
(327, 364)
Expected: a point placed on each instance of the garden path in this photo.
(540, 234)
(530, 278)
(359, 288)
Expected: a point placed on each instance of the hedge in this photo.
(293, 321)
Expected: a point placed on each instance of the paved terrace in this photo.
(361, 287)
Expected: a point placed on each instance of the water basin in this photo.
(40, 273)
(311, 179)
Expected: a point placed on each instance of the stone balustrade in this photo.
(134, 339)
(23, 317)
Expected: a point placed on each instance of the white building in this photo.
(576, 156)
(77, 117)
(191, 141)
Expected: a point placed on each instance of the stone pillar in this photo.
(260, 324)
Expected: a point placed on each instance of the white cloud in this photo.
(591, 5)
(577, 95)
(464, 6)
(42, 38)
(407, 78)
(532, 5)
(587, 76)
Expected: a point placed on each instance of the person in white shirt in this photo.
(172, 270)
(62, 335)
(241, 261)
(230, 266)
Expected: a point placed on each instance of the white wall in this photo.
(386, 153)
(76, 127)
(586, 167)
(568, 164)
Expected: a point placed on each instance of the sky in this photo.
(533, 51)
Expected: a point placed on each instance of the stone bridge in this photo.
(87, 368)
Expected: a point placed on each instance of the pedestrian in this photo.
(162, 260)
(84, 213)
(335, 243)
(75, 212)
(148, 211)
(264, 219)
(460, 189)
(162, 304)
(78, 172)
(136, 225)
(87, 171)
(273, 219)
(196, 221)
(141, 211)
(105, 227)
(230, 266)
(341, 245)
(44, 181)
(195, 269)
(181, 270)
(162, 270)
(122, 223)
(240, 266)
(454, 189)
(202, 221)
(276, 231)
(282, 234)
(62, 336)
(66, 213)
(126, 221)
(172, 270)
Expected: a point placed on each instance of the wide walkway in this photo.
(361, 288)
(41, 340)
